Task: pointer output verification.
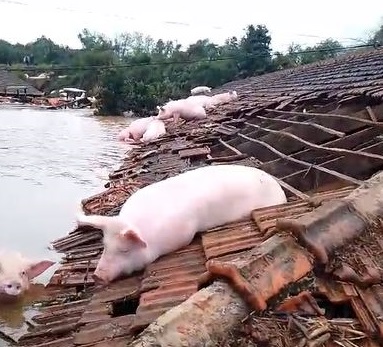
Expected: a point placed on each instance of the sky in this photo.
(299, 21)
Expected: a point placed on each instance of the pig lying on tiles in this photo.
(16, 271)
(224, 97)
(166, 215)
(135, 130)
(200, 90)
(155, 129)
(202, 100)
(182, 108)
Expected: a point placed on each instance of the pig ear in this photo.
(158, 108)
(37, 268)
(132, 236)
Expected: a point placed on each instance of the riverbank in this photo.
(309, 152)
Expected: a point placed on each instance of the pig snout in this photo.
(107, 270)
(13, 288)
(100, 278)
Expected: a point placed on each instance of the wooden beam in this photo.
(306, 170)
(352, 141)
(371, 114)
(241, 155)
(329, 115)
(291, 189)
(345, 163)
(236, 151)
(303, 163)
(311, 124)
(320, 147)
(226, 159)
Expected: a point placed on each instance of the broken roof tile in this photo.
(263, 272)
(184, 265)
(194, 152)
(104, 331)
(330, 226)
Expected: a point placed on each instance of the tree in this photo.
(134, 72)
(256, 51)
(377, 37)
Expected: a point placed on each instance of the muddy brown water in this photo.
(49, 161)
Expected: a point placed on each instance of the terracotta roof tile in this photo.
(231, 238)
(262, 273)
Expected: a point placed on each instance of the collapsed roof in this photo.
(316, 129)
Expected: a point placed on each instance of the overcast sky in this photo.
(302, 21)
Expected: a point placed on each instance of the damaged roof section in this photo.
(289, 281)
(319, 156)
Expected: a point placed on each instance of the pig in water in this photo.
(155, 129)
(166, 215)
(182, 108)
(135, 130)
(16, 271)
(224, 97)
(200, 90)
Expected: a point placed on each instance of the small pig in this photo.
(165, 216)
(16, 271)
(224, 97)
(155, 129)
(200, 90)
(182, 108)
(136, 129)
(203, 100)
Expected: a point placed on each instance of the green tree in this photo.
(255, 51)
(134, 72)
(377, 36)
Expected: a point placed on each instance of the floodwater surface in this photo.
(49, 161)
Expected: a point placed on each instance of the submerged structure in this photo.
(12, 85)
(306, 273)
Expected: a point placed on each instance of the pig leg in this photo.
(130, 140)
(176, 117)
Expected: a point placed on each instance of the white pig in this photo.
(182, 108)
(166, 215)
(136, 129)
(203, 100)
(155, 129)
(124, 135)
(224, 97)
(200, 90)
(16, 271)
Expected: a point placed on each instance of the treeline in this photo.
(135, 72)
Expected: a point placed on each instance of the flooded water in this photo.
(49, 161)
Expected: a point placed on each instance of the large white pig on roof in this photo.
(165, 216)
(182, 108)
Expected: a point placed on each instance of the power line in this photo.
(65, 9)
(337, 38)
(164, 63)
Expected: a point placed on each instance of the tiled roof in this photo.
(319, 157)
(9, 79)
